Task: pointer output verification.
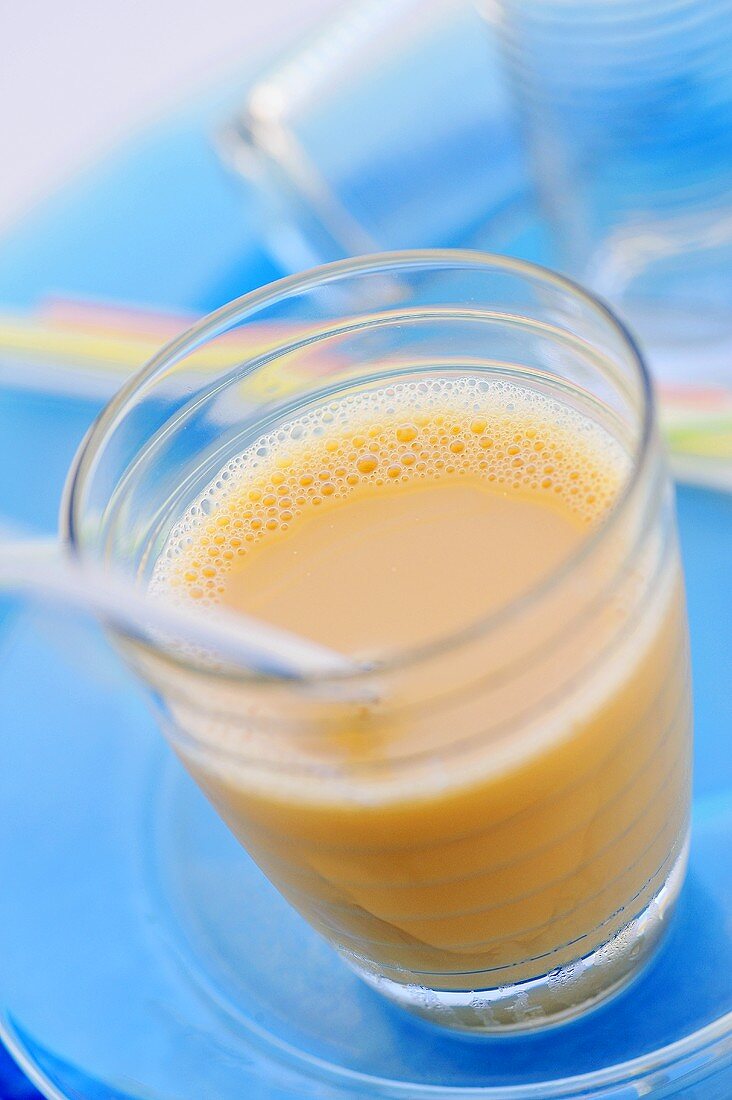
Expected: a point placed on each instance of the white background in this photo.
(78, 75)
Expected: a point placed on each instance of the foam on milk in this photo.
(513, 437)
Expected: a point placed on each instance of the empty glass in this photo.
(627, 108)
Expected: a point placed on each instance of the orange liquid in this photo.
(501, 809)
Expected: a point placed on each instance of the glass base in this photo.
(552, 998)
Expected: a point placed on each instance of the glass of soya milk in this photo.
(445, 466)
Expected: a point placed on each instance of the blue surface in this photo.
(161, 223)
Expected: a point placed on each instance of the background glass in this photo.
(627, 108)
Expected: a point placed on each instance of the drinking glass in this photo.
(491, 828)
(627, 110)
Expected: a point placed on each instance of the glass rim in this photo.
(245, 308)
